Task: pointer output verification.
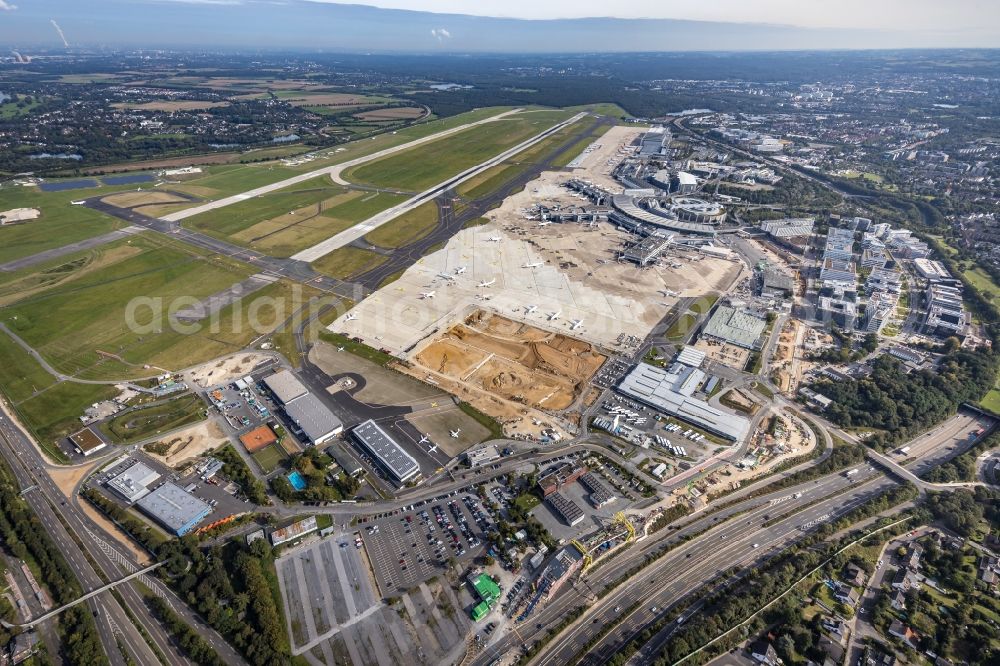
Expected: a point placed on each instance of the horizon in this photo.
(316, 25)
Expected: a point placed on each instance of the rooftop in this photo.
(174, 508)
(314, 417)
(285, 386)
(134, 482)
(400, 463)
(735, 327)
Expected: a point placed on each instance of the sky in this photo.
(466, 26)
(875, 14)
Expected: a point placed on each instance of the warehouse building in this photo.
(293, 531)
(669, 391)
(566, 509)
(735, 327)
(285, 386)
(653, 141)
(390, 456)
(600, 495)
(133, 484)
(318, 424)
(173, 508)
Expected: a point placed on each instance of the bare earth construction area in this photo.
(514, 361)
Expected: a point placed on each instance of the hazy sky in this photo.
(933, 15)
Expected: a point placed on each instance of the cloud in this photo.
(439, 34)
(6, 6)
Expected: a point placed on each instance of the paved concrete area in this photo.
(329, 170)
(360, 230)
(79, 246)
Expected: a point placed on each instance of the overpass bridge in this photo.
(93, 593)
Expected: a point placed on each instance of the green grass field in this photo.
(347, 261)
(60, 222)
(55, 413)
(268, 459)
(21, 375)
(424, 166)
(406, 228)
(232, 219)
(71, 322)
(681, 328)
(83, 314)
(154, 419)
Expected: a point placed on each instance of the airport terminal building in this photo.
(384, 450)
(670, 391)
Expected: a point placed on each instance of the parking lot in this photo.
(413, 546)
(217, 491)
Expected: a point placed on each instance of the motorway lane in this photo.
(936, 445)
(23, 455)
(88, 579)
(692, 564)
(772, 504)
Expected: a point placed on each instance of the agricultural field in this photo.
(424, 166)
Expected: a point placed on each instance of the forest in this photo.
(897, 406)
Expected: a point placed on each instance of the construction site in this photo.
(511, 360)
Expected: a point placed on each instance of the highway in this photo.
(29, 468)
(731, 545)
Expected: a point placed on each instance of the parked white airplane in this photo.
(459, 270)
(577, 323)
(350, 316)
(534, 265)
(555, 315)
(488, 284)
(423, 439)
(427, 294)
(455, 433)
(445, 276)
(545, 223)
(530, 309)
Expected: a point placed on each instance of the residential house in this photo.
(898, 600)
(904, 633)
(913, 555)
(906, 579)
(763, 652)
(846, 595)
(854, 575)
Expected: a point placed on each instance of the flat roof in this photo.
(174, 508)
(285, 386)
(658, 388)
(736, 327)
(87, 441)
(626, 205)
(384, 448)
(258, 438)
(691, 356)
(314, 417)
(133, 484)
(570, 512)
